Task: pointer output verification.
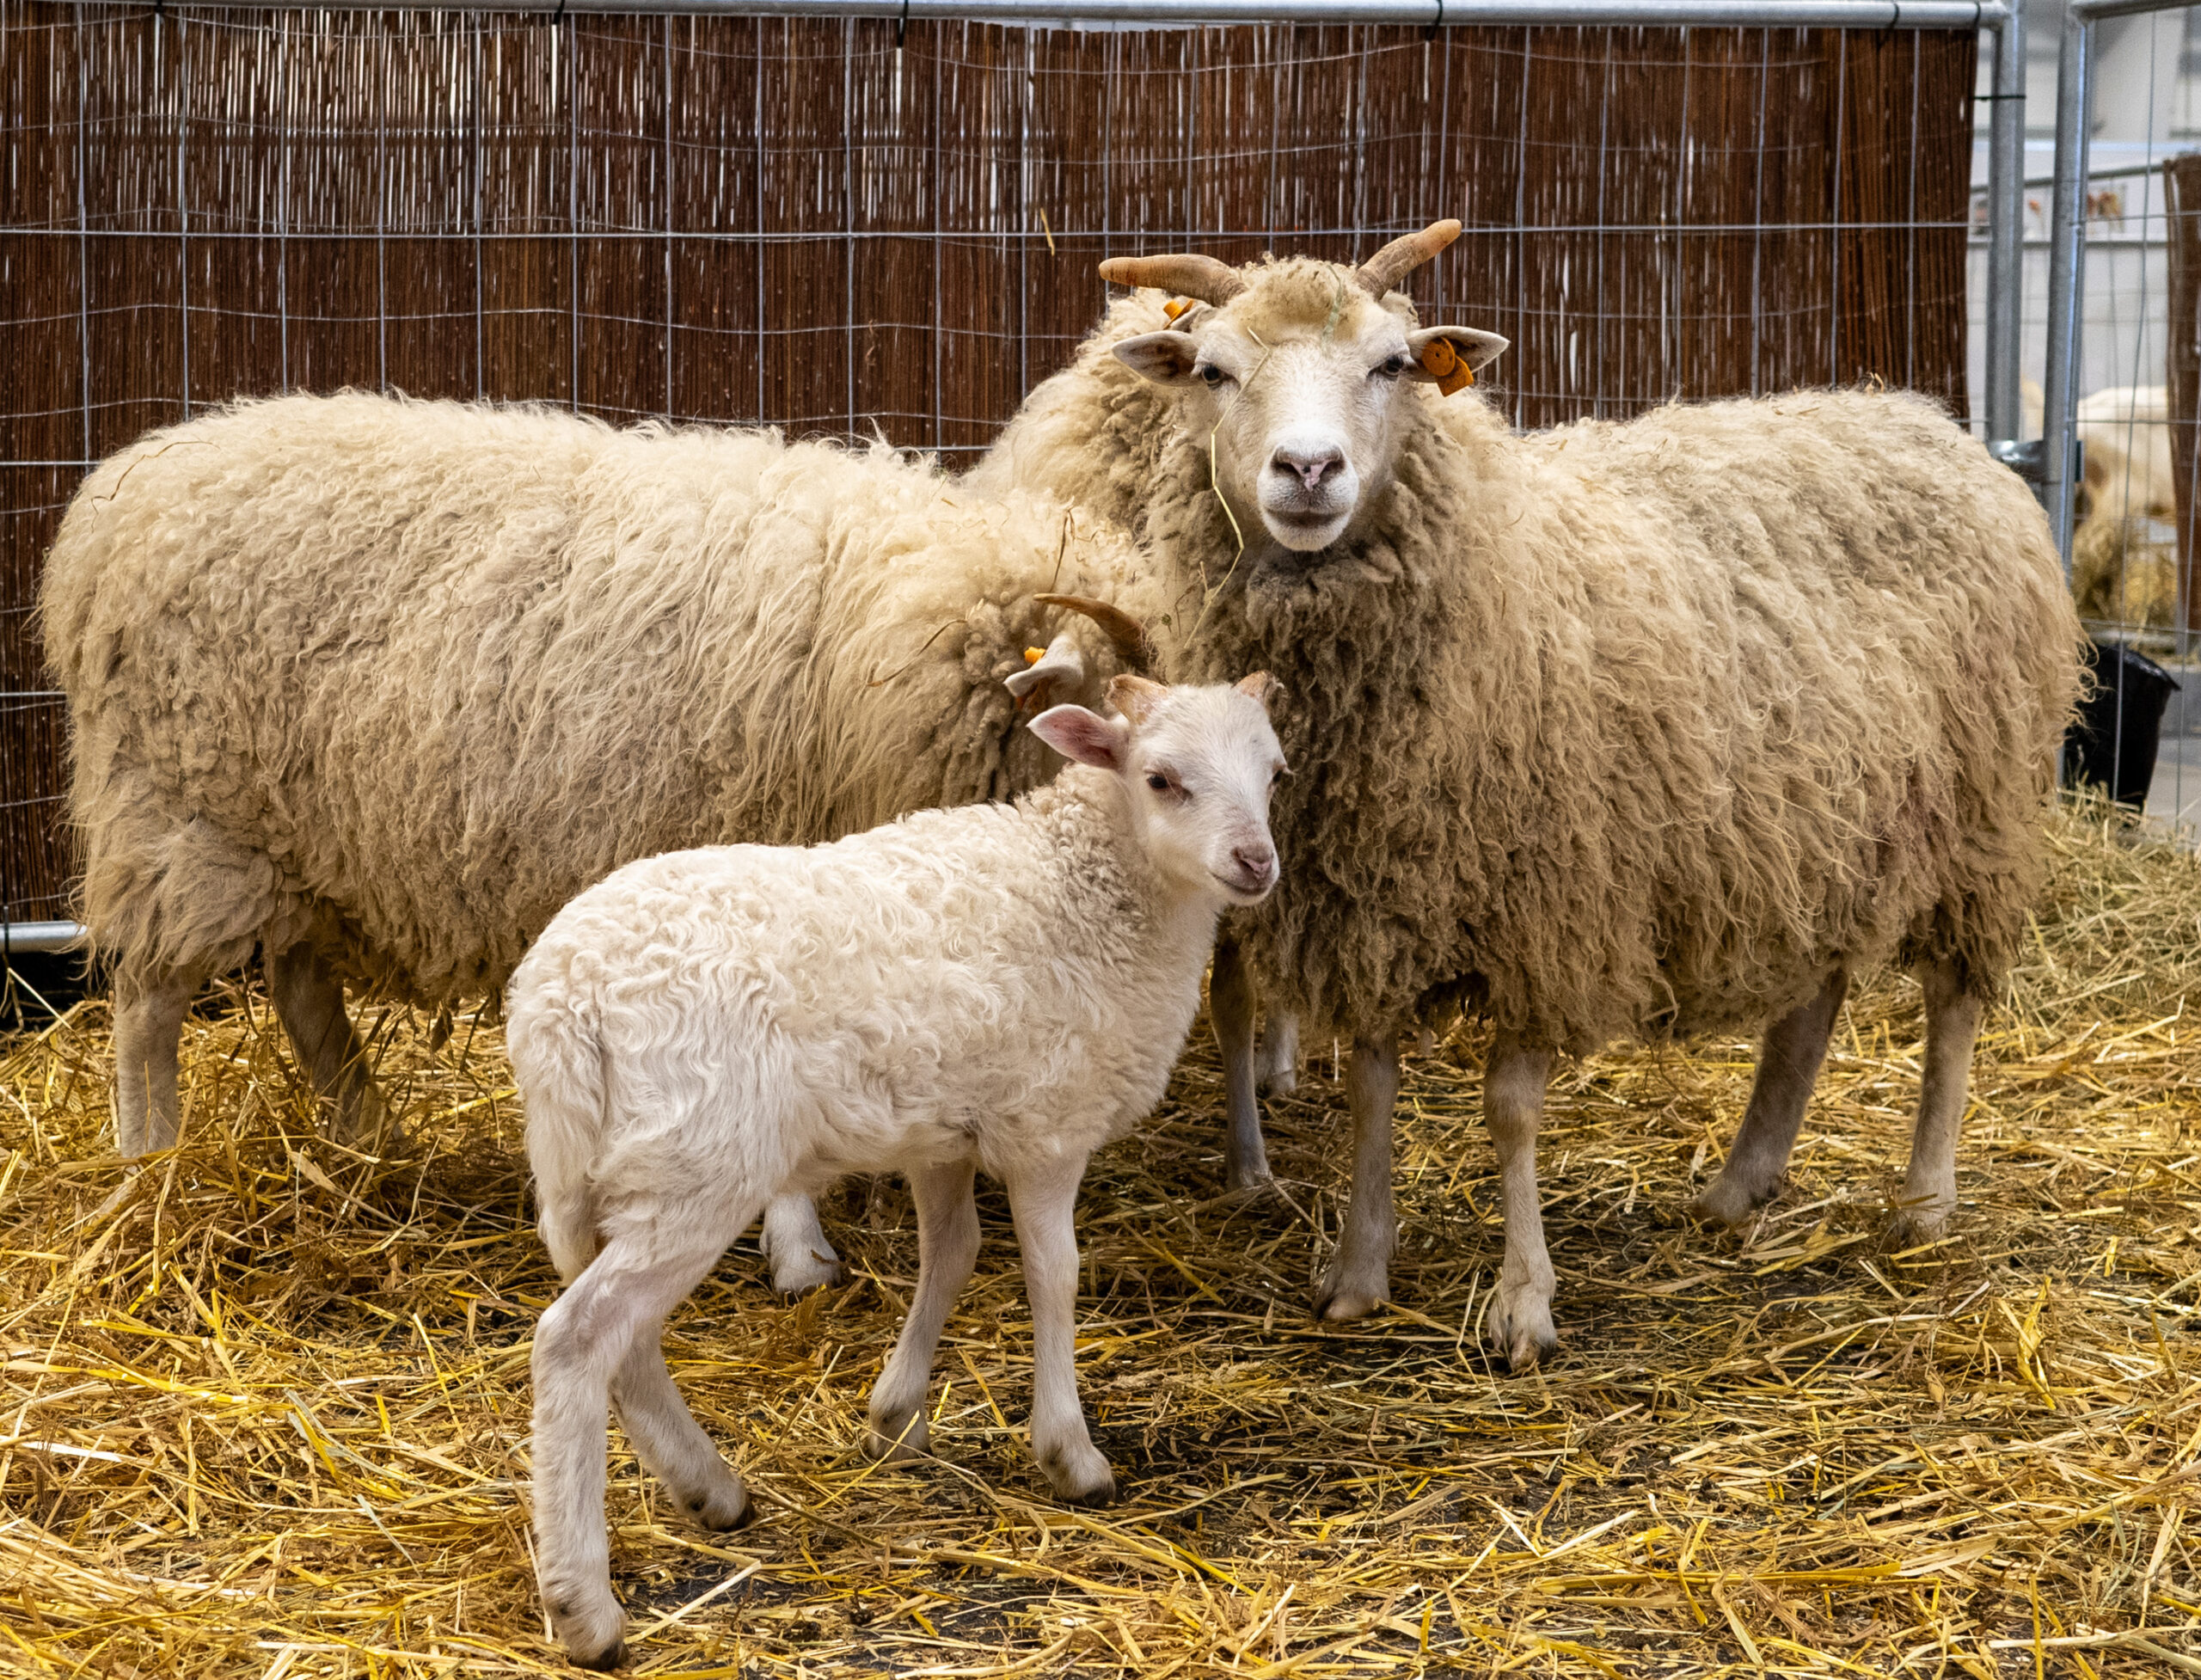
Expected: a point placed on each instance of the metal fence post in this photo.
(2066, 238)
(2006, 190)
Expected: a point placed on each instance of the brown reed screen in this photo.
(742, 219)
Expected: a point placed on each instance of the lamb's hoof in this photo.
(1278, 1082)
(594, 1637)
(1080, 1475)
(1239, 1188)
(1726, 1201)
(894, 1440)
(803, 1271)
(721, 1509)
(1916, 1227)
(1343, 1296)
(1520, 1328)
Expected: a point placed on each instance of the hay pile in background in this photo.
(265, 1404)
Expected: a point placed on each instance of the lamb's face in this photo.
(1198, 766)
(1299, 383)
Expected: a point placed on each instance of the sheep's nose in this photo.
(1310, 466)
(1257, 862)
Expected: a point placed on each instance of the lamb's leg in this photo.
(1929, 1187)
(585, 1340)
(1787, 1068)
(1276, 1063)
(669, 1441)
(1044, 1200)
(1359, 1277)
(1512, 1106)
(947, 1247)
(309, 1002)
(1230, 1005)
(149, 1011)
(795, 1246)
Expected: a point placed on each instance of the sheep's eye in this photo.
(1392, 368)
(1212, 374)
(1158, 781)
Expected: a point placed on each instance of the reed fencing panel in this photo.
(807, 223)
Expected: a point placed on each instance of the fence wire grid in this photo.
(837, 226)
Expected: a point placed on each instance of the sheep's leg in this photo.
(1276, 1063)
(1929, 1187)
(1787, 1068)
(1044, 1200)
(149, 1011)
(669, 1441)
(947, 1247)
(795, 1246)
(1514, 1083)
(309, 1001)
(586, 1340)
(1230, 1006)
(1359, 1277)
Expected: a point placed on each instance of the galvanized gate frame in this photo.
(2002, 20)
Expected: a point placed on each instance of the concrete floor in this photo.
(2174, 796)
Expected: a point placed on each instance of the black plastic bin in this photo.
(2112, 741)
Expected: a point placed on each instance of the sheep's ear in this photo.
(1259, 686)
(1166, 357)
(1451, 357)
(1060, 661)
(1083, 737)
(1136, 697)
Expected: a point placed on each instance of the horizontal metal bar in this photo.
(2091, 11)
(928, 235)
(1655, 14)
(35, 936)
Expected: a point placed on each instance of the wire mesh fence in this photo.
(844, 226)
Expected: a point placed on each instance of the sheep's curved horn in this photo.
(1403, 255)
(1184, 273)
(1125, 631)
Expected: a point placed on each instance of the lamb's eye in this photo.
(1211, 375)
(1159, 782)
(1391, 368)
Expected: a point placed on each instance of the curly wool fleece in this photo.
(404, 677)
(1630, 728)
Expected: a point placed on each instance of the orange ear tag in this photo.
(1446, 366)
(1175, 307)
(1034, 655)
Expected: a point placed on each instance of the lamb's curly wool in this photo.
(402, 677)
(1620, 729)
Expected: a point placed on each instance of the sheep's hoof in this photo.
(1726, 1202)
(1280, 1082)
(1915, 1227)
(898, 1440)
(1248, 1187)
(1520, 1328)
(1342, 1297)
(721, 1509)
(805, 1272)
(595, 1638)
(1080, 1475)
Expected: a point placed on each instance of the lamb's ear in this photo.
(1259, 686)
(1166, 357)
(1436, 355)
(1136, 697)
(1083, 737)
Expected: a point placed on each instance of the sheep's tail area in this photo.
(557, 1060)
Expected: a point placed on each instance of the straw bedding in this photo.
(264, 1404)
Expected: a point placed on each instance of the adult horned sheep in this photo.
(375, 686)
(1654, 729)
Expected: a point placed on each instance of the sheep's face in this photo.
(1302, 386)
(1197, 766)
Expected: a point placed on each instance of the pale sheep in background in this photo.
(1004, 987)
(375, 686)
(1652, 729)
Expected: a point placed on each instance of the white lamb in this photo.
(1004, 986)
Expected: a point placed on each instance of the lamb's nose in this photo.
(1310, 466)
(1258, 862)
